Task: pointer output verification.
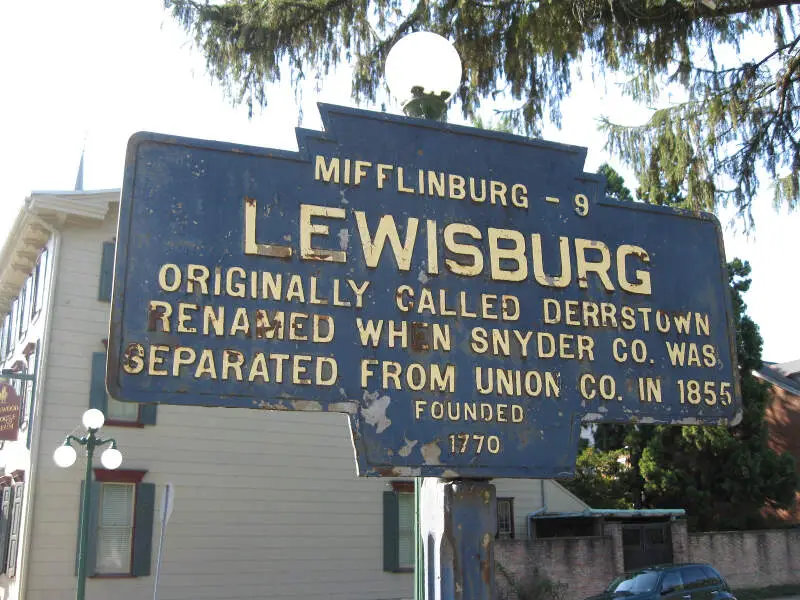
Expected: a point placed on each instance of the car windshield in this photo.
(635, 583)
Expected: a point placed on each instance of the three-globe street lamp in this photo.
(65, 456)
(423, 71)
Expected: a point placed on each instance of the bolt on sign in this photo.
(467, 297)
(9, 412)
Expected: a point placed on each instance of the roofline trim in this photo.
(783, 384)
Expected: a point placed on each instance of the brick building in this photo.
(783, 418)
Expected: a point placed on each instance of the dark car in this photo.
(669, 582)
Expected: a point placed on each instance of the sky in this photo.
(87, 74)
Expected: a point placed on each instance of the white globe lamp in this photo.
(65, 456)
(111, 458)
(423, 70)
(93, 419)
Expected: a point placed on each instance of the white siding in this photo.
(15, 455)
(531, 495)
(267, 503)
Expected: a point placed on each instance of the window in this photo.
(106, 272)
(672, 582)
(398, 527)
(13, 533)
(121, 513)
(505, 518)
(39, 275)
(714, 577)
(122, 414)
(115, 528)
(22, 314)
(126, 412)
(5, 521)
(694, 577)
(8, 334)
(4, 332)
(10, 519)
(634, 583)
(13, 326)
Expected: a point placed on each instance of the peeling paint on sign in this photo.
(467, 297)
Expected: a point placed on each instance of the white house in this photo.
(267, 503)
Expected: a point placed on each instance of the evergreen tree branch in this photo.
(529, 49)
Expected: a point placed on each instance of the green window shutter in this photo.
(91, 547)
(405, 527)
(391, 531)
(13, 534)
(143, 529)
(5, 518)
(97, 391)
(106, 272)
(147, 414)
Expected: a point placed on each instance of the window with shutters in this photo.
(398, 527)
(14, 525)
(115, 528)
(5, 522)
(121, 514)
(505, 518)
(120, 414)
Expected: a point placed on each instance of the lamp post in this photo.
(65, 456)
(459, 517)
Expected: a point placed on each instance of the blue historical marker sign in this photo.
(467, 297)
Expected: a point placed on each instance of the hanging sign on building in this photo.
(467, 297)
(9, 412)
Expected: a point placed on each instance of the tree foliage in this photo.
(722, 476)
(615, 183)
(736, 124)
(604, 479)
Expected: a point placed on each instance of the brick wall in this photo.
(680, 541)
(750, 558)
(585, 565)
(783, 421)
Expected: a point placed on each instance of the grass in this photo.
(772, 591)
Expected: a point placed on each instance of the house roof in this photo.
(789, 369)
(784, 375)
(34, 223)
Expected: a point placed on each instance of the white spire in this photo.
(79, 178)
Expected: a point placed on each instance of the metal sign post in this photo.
(167, 506)
(458, 520)
(466, 297)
